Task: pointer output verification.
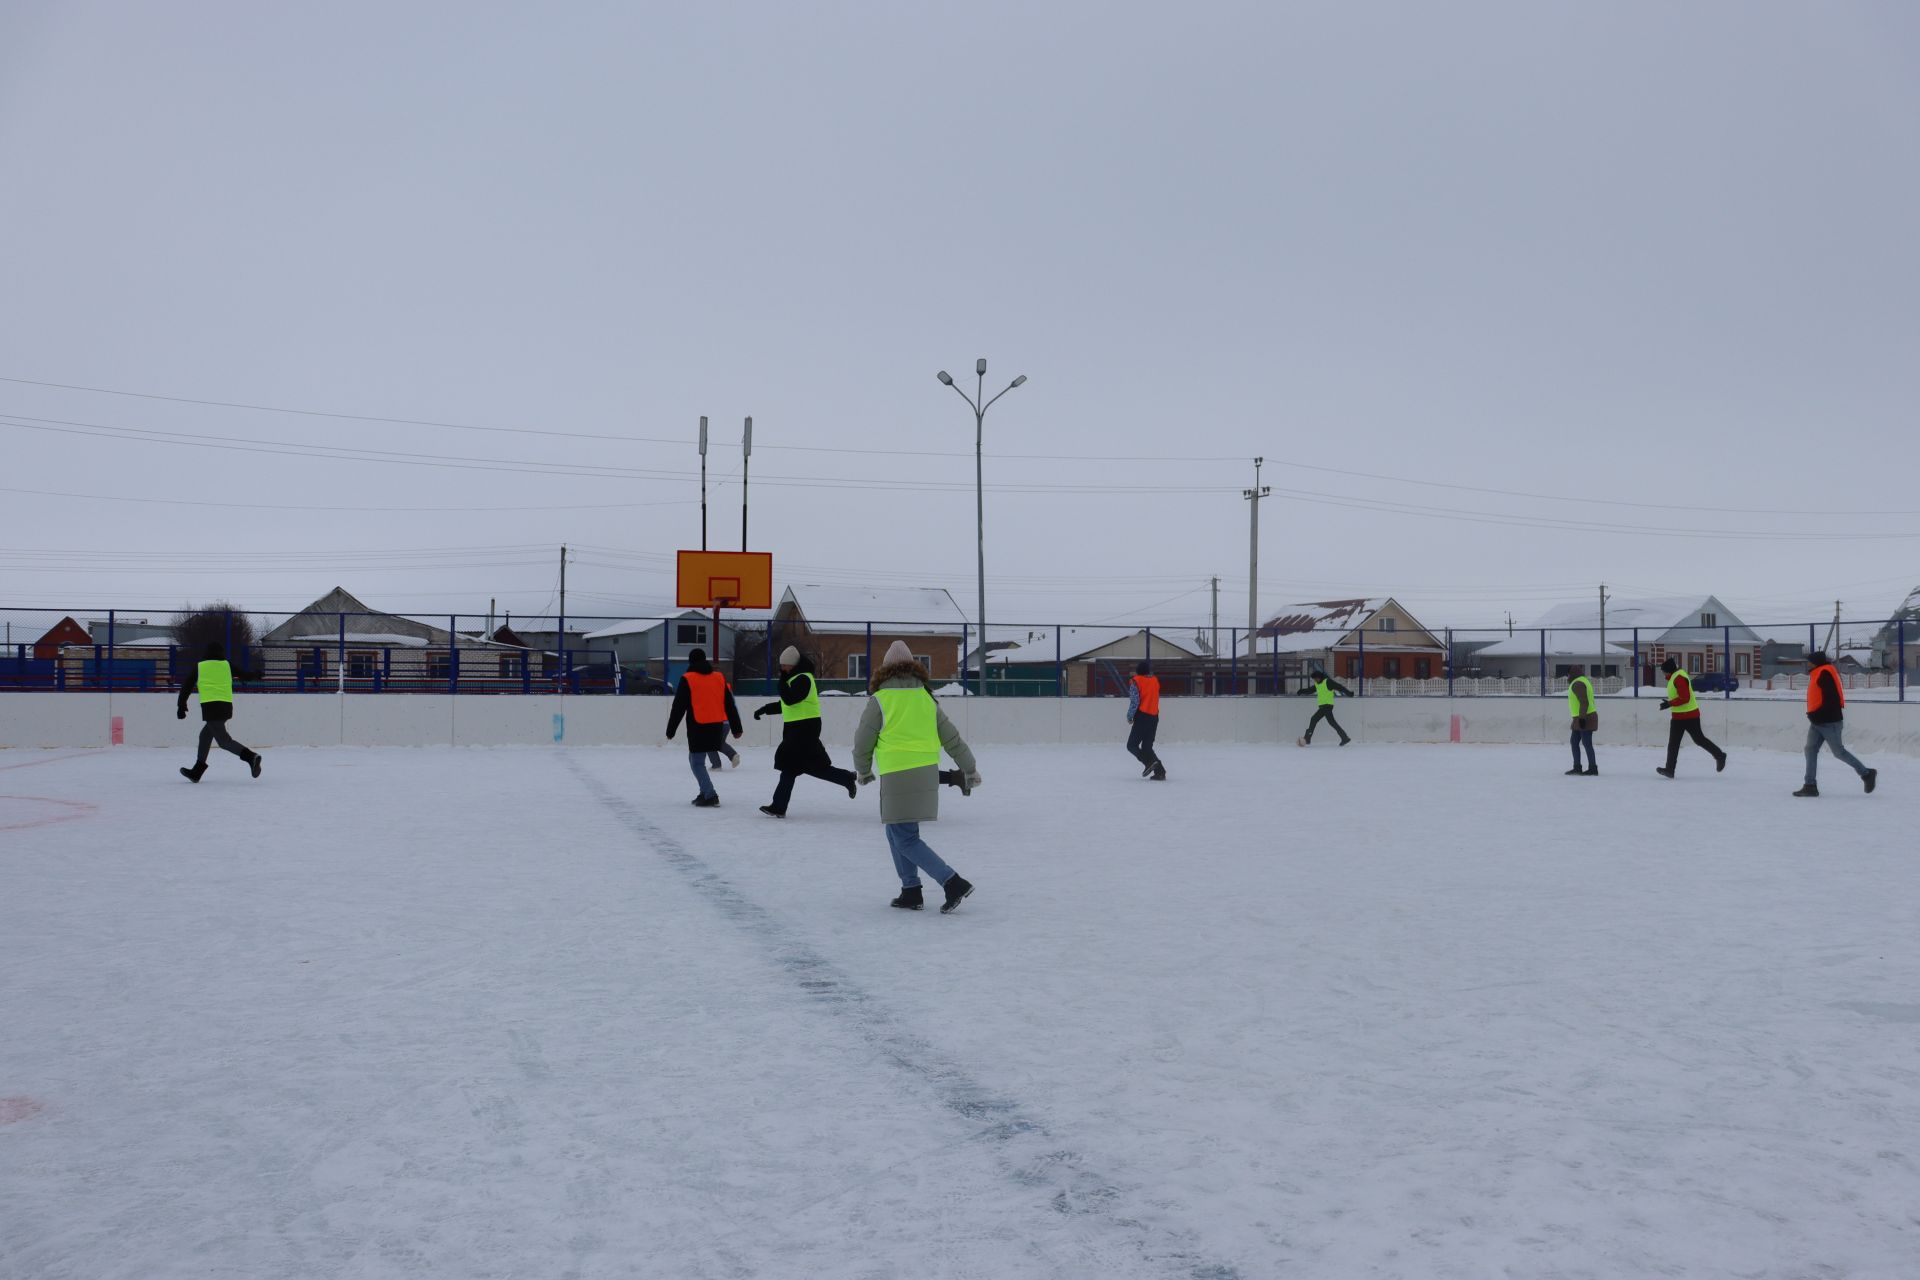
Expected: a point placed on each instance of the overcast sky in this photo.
(1658, 255)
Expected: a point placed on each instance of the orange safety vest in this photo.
(1149, 687)
(709, 690)
(1814, 699)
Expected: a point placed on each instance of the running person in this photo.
(1324, 687)
(213, 680)
(801, 752)
(1826, 703)
(1143, 713)
(1685, 706)
(703, 699)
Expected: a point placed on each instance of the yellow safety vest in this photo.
(214, 680)
(808, 708)
(1323, 693)
(909, 731)
(1673, 694)
(1573, 696)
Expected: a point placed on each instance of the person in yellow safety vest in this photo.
(901, 735)
(801, 752)
(1323, 690)
(213, 680)
(1143, 713)
(1685, 706)
(704, 701)
(1586, 718)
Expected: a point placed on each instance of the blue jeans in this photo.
(911, 856)
(697, 761)
(1583, 738)
(1829, 734)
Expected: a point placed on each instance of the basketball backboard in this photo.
(730, 579)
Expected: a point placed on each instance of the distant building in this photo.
(847, 629)
(1373, 639)
(1700, 633)
(1094, 661)
(62, 633)
(339, 641)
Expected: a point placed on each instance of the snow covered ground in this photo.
(1373, 1012)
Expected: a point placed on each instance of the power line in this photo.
(292, 506)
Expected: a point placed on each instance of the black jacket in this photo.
(1334, 685)
(1829, 712)
(209, 711)
(800, 746)
(701, 738)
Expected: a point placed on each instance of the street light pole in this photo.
(1254, 495)
(979, 404)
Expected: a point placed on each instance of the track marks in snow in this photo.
(1026, 1153)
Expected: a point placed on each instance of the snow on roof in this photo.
(1309, 627)
(383, 638)
(896, 610)
(1037, 644)
(631, 627)
(1573, 629)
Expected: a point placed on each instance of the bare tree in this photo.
(221, 621)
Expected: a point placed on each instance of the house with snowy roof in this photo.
(1353, 639)
(339, 640)
(1699, 632)
(847, 629)
(1096, 661)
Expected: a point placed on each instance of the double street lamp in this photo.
(980, 405)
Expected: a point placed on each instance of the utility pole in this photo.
(1254, 495)
(560, 636)
(1216, 619)
(1603, 637)
(746, 460)
(703, 483)
(1833, 637)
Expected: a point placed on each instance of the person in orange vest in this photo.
(703, 699)
(1685, 706)
(1143, 713)
(1826, 703)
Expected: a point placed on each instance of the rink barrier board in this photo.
(53, 720)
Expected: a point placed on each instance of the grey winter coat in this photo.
(911, 795)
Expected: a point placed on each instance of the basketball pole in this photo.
(703, 484)
(746, 461)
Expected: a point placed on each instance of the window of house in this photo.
(363, 664)
(1352, 665)
(1423, 668)
(690, 633)
(1390, 668)
(856, 666)
(924, 660)
(438, 667)
(1693, 663)
(506, 668)
(1709, 619)
(1389, 624)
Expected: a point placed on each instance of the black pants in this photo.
(783, 790)
(216, 731)
(1687, 729)
(1584, 737)
(1140, 738)
(1325, 713)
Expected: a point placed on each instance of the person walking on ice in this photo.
(801, 753)
(1586, 718)
(901, 734)
(703, 699)
(1323, 690)
(1143, 713)
(1826, 703)
(213, 680)
(1685, 706)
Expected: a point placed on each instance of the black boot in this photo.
(1159, 772)
(957, 888)
(1664, 772)
(706, 802)
(1870, 777)
(194, 774)
(772, 812)
(1808, 789)
(253, 763)
(1578, 772)
(909, 899)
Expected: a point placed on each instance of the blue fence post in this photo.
(1726, 659)
(340, 657)
(1233, 659)
(385, 676)
(526, 672)
(1449, 662)
(1148, 633)
(1059, 668)
(453, 654)
(1543, 662)
(227, 645)
(110, 642)
(1362, 692)
(1812, 644)
(1902, 634)
(868, 669)
(966, 633)
(1276, 663)
(1636, 662)
(772, 687)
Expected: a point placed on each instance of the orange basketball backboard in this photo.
(735, 579)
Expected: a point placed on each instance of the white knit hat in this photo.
(789, 657)
(897, 652)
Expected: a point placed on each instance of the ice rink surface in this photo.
(1365, 1012)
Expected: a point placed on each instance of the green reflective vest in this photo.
(1673, 695)
(1323, 693)
(808, 708)
(1573, 696)
(214, 680)
(909, 731)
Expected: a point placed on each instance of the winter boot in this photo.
(853, 789)
(909, 899)
(1159, 772)
(1808, 789)
(1344, 741)
(1303, 742)
(1146, 771)
(1870, 777)
(1664, 772)
(1720, 763)
(706, 802)
(194, 774)
(957, 888)
(1594, 772)
(772, 812)
(1576, 772)
(253, 763)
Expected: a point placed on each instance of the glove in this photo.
(973, 781)
(1664, 704)
(180, 713)
(737, 732)
(758, 712)
(864, 779)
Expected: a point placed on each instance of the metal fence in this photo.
(385, 653)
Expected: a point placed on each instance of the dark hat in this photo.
(1669, 666)
(1817, 658)
(1143, 667)
(696, 655)
(215, 649)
